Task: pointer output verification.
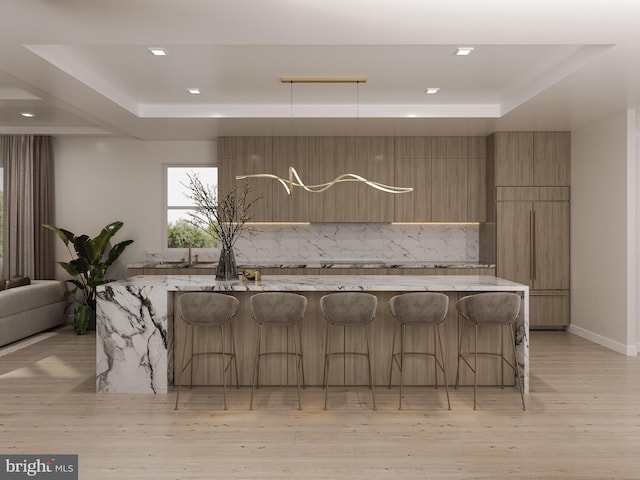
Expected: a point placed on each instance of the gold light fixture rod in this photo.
(323, 79)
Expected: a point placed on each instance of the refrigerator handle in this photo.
(534, 248)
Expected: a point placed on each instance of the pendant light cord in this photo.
(291, 108)
(357, 109)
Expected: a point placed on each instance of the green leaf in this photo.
(80, 265)
(100, 242)
(65, 235)
(69, 268)
(117, 250)
(86, 249)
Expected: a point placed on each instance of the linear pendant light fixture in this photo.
(323, 79)
(294, 179)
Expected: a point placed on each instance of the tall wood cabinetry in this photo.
(531, 188)
(446, 173)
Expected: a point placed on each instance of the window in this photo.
(180, 232)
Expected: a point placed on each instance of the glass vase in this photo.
(227, 268)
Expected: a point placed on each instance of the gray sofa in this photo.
(29, 309)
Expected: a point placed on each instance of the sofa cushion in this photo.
(37, 294)
(18, 281)
(3, 284)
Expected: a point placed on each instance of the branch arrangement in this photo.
(225, 218)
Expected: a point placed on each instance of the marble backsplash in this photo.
(351, 242)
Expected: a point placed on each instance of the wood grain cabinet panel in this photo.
(412, 147)
(446, 173)
(449, 179)
(294, 152)
(551, 237)
(514, 246)
(549, 309)
(252, 155)
(477, 179)
(328, 158)
(513, 158)
(413, 169)
(374, 161)
(552, 158)
(226, 164)
(533, 249)
(533, 243)
(532, 158)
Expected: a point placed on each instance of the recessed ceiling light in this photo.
(193, 91)
(28, 114)
(431, 90)
(463, 51)
(158, 51)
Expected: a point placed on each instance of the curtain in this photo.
(28, 248)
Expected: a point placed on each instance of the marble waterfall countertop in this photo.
(134, 322)
(320, 264)
(323, 283)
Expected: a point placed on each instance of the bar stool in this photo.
(348, 309)
(499, 309)
(208, 309)
(280, 309)
(420, 309)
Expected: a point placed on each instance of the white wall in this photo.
(637, 220)
(99, 180)
(601, 304)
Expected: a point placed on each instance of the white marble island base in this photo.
(135, 331)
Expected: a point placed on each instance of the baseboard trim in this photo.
(628, 350)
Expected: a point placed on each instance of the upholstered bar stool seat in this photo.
(279, 309)
(499, 309)
(210, 310)
(348, 309)
(420, 309)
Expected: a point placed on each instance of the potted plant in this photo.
(89, 266)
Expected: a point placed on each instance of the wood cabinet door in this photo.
(513, 241)
(226, 147)
(449, 179)
(290, 152)
(254, 155)
(476, 190)
(330, 157)
(449, 190)
(375, 162)
(551, 238)
(552, 158)
(413, 169)
(513, 158)
(414, 206)
(548, 309)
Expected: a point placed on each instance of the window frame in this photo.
(167, 207)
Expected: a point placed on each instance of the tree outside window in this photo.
(180, 231)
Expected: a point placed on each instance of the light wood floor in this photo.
(582, 422)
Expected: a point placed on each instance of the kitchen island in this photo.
(135, 325)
